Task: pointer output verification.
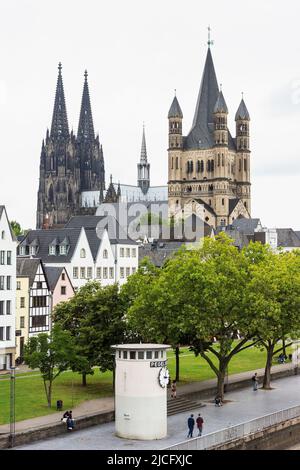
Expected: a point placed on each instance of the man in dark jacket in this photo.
(191, 424)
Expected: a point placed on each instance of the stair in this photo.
(179, 405)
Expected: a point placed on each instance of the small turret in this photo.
(220, 121)
(143, 167)
(175, 117)
(242, 119)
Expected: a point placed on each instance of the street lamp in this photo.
(12, 420)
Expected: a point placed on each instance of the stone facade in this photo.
(69, 164)
(209, 166)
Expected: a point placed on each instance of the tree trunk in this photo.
(283, 347)
(177, 352)
(84, 379)
(267, 376)
(49, 395)
(221, 380)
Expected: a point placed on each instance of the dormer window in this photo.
(22, 250)
(62, 250)
(52, 250)
(32, 250)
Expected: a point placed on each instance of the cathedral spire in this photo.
(143, 158)
(200, 134)
(86, 126)
(59, 126)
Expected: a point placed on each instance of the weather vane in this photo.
(210, 42)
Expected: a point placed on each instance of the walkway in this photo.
(243, 405)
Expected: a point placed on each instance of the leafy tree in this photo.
(95, 319)
(51, 353)
(274, 298)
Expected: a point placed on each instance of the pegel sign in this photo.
(158, 363)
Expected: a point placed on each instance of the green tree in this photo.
(274, 298)
(51, 353)
(95, 318)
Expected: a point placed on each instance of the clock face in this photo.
(163, 377)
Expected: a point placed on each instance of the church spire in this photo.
(59, 126)
(86, 126)
(143, 158)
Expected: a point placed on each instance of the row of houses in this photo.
(46, 267)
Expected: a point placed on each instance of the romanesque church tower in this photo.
(68, 164)
(209, 166)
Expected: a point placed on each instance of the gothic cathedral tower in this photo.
(209, 167)
(68, 165)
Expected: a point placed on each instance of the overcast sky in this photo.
(136, 52)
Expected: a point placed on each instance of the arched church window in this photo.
(70, 196)
(177, 163)
(240, 164)
(208, 165)
(223, 159)
(219, 159)
(172, 161)
(245, 164)
(212, 165)
(198, 166)
(50, 194)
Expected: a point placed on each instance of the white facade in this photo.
(141, 391)
(7, 292)
(105, 266)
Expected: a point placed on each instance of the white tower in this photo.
(141, 391)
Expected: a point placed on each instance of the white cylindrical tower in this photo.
(141, 391)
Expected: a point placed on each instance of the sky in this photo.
(136, 53)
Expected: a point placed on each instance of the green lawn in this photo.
(30, 394)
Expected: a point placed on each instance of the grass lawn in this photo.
(31, 399)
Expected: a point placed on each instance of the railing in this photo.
(237, 432)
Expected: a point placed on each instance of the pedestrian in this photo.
(255, 382)
(173, 389)
(218, 401)
(191, 424)
(65, 416)
(70, 422)
(200, 422)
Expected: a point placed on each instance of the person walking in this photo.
(173, 389)
(200, 422)
(70, 422)
(191, 424)
(255, 382)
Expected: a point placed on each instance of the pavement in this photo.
(241, 406)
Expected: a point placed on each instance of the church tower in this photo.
(143, 167)
(59, 182)
(68, 165)
(208, 169)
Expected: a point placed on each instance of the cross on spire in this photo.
(210, 42)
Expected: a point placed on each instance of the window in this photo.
(104, 273)
(89, 272)
(82, 253)
(156, 354)
(122, 252)
(98, 273)
(122, 273)
(105, 254)
(8, 282)
(223, 160)
(52, 250)
(1, 333)
(18, 285)
(3, 235)
(128, 252)
(161, 354)
(75, 273)
(1, 282)
(62, 250)
(223, 202)
(124, 354)
(1, 307)
(22, 302)
(22, 322)
(2, 257)
(133, 252)
(8, 307)
(127, 272)
(148, 354)
(22, 250)
(133, 270)
(8, 328)
(82, 273)
(132, 355)
(245, 165)
(39, 301)
(63, 290)
(38, 321)
(111, 273)
(119, 354)
(140, 354)
(39, 285)
(32, 250)
(63, 277)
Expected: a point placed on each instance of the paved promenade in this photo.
(243, 405)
